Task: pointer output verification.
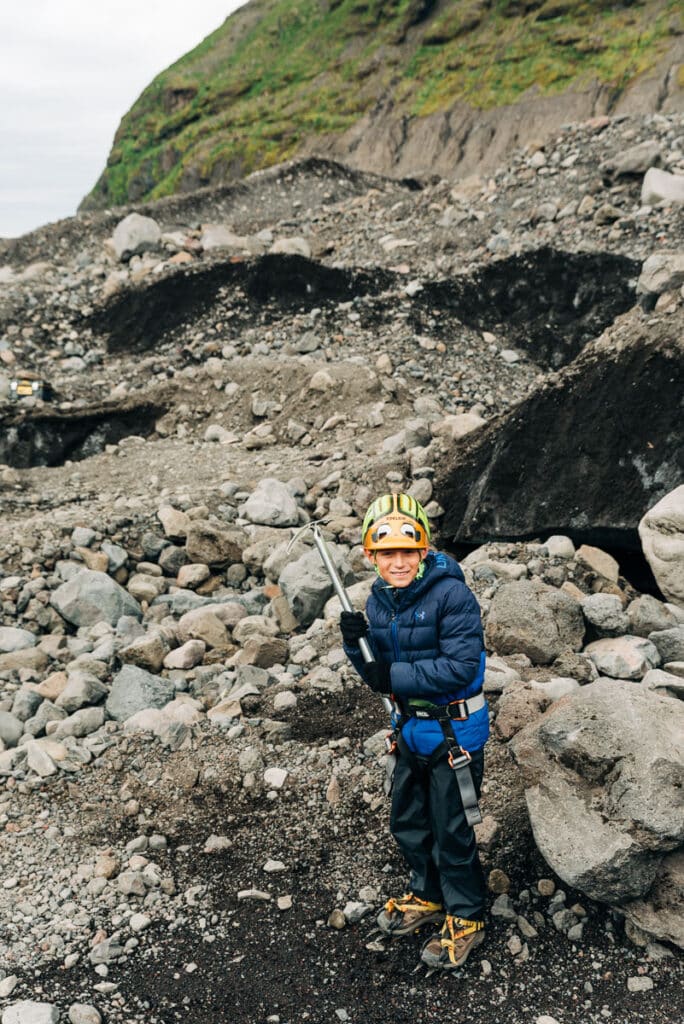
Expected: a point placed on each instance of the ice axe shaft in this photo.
(338, 586)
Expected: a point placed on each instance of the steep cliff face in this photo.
(395, 86)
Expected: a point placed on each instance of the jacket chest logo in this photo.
(419, 616)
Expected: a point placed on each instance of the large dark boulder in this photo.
(594, 446)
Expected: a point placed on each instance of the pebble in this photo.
(639, 983)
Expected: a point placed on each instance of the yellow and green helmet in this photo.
(395, 521)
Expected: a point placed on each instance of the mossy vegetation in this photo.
(279, 71)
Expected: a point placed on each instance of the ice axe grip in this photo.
(338, 586)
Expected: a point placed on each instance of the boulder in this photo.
(661, 272)
(662, 186)
(13, 639)
(209, 544)
(29, 1012)
(669, 642)
(186, 656)
(134, 689)
(203, 624)
(517, 476)
(271, 504)
(664, 682)
(603, 781)
(135, 234)
(660, 912)
(91, 597)
(11, 729)
(306, 584)
(662, 538)
(624, 657)
(27, 657)
(647, 615)
(532, 618)
(633, 161)
(519, 704)
(264, 651)
(147, 651)
(81, 690)
(605, 613)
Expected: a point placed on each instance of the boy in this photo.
(425, 631)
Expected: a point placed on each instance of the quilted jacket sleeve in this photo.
(460, 646)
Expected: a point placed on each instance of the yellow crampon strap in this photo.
(411, 902)
(456, 928)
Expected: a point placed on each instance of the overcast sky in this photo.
(69, 71)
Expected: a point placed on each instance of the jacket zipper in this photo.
(395, 637)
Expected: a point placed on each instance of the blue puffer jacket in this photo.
(431, 634)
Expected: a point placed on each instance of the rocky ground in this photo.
(194, 822)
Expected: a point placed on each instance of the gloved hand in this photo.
(354, 627)
(379, 677)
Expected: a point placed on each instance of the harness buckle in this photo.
(461, 760)
(461, 707)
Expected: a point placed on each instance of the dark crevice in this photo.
(51, 439)
(547, 303)
(623, 545)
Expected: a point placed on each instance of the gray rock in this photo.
(92, 597)
(29, 1012)
(605, 613)
(209, 544)
(531, 618)
(84, 1013)
(47, 712)
(646, 615)
(81, 723)
(106, 952)
(147, 651)
(661, 911)
(661, 186)
(25, 704)
(135, 234)
(662, 538)
(13, 639)
(11, 729)
(306, 584)
(117, 556)
(271, 504)
(661, 272)
(664, 682)
(603, 777)
(634, 161)
(81, 690)
(134, 689)
(670, 643)
(624, 657)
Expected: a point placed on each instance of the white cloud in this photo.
(69, 71)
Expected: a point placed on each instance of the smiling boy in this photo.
(425, 631)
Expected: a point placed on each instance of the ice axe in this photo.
(331, 569)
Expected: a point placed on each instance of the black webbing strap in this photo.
(459, 760)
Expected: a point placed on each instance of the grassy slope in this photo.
(279, 71)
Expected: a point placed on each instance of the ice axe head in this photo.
(314, 526)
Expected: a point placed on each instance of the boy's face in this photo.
(397, 566)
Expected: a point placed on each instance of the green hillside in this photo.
(280, 71)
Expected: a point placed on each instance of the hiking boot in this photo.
(407, 914)
(451, 947)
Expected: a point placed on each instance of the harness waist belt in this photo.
(455, 710)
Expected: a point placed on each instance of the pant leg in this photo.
(411, 826)
(455, 849)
